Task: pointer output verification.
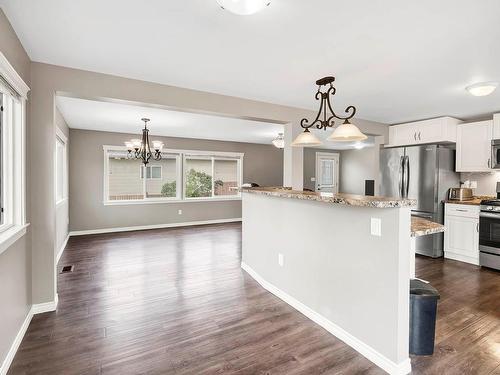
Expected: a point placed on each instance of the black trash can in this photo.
(423, 308)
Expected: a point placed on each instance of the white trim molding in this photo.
(35, 309)
(61, 249)
(8, 72)
(11, 235)
(40, 308)
(154, 226)
(4, 368)
(367, 351)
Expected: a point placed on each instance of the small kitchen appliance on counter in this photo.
(489, 232)
(460, 194)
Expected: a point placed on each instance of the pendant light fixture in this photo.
(243, 7)
(141, 149)
(325, 119)
(279, 141)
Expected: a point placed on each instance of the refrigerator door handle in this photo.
(406, 176)
(401, 174)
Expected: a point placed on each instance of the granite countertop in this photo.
(340, 198)
(475, 202)
(424, 227)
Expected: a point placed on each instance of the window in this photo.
(123, 183)
(12, 164)
(178, 176)
(61, 182)
(152, 171)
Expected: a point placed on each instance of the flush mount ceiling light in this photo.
(279, 141)
(482, 88)
(243, 7)
(346, 132)
(141, 149)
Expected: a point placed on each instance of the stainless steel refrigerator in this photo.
(424, 173)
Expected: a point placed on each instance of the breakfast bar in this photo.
(342, 260)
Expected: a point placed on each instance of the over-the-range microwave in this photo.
(495, 154)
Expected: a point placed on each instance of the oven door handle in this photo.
(489, 215)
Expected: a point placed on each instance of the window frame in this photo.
(14, 96)
(180, 177)
(141, 169)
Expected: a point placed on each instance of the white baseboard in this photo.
(61, 250)
(462, 258)
(155, 226)
(367, 351)
(35, 309)
(40, 308)
(15, 344)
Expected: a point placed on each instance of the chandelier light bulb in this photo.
(279, 141)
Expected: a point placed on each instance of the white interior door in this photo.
(327, 172)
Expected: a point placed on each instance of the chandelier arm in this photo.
(351, 108)
(304, 123)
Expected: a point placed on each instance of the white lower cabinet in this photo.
(461, 237)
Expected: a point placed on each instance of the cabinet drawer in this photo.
(462, 210)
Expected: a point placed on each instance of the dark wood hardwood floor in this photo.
(175, 301)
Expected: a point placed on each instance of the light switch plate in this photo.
(313, 179)
(179, 212)
(376, 227)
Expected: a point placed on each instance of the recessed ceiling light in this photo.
(482, 88)
(243, 7)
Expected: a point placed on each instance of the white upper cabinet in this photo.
(474, 146)
(496, 126)
(438, 130)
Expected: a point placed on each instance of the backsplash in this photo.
(486, 182)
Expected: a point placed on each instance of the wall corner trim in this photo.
(16, 343)
(154, 226)
(367, 351)
(61, 250)
(41, 308)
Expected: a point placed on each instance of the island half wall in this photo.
(333, 269)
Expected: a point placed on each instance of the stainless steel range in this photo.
(489, 234)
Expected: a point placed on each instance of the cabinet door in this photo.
(431, 131)
(496, 126)
(474, 146)
(404, 135)
(462, 236)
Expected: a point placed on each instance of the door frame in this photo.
(332, 155)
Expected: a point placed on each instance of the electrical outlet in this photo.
(281, 260)
(179, 212)
(376, 227)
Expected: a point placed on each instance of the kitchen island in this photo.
(342, 260)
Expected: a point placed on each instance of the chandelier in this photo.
(326, 119)
(279, 141)
(141, 149)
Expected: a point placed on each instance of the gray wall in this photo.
(15, 262)
(262, 164)
(356, 166)
(62, 209)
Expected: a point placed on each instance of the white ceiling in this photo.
(125, 118)
(394, 60)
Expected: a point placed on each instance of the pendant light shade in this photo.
(347, 132)
(243, 7)
(306, 139)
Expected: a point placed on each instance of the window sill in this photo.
(11, 235)
(170, 201)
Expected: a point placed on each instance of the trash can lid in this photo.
(420, 288)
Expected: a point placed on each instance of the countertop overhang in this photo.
(424, 227)
(339, 198)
